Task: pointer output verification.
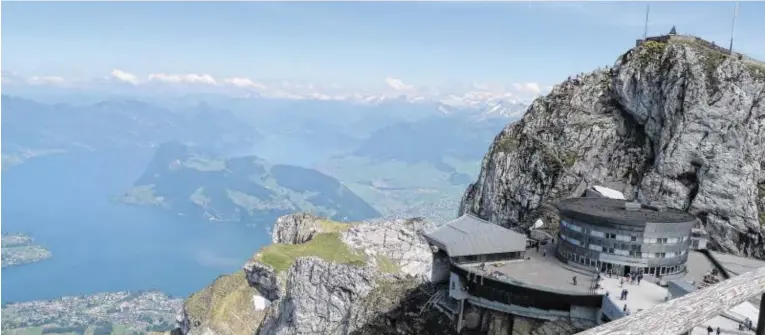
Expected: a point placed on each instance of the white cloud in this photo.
(476, 93)
(46, 80)
(528, 88)
(243, 82)
(125, 77)
(398, 84)
(190, 78)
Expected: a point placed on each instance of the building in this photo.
(621, 237)
(486, 268)
(699, 238)
(603, 192)
(491, 267)
(470, 240)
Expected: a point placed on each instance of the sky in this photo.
(518, 47)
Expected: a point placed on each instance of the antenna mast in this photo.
(733, 28)
(645, 30)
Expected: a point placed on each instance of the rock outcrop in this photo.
(676, 123)
(295, 229)
(324, 277)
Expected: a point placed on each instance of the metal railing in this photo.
(681, 315)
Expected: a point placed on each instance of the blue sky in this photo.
(424, 44)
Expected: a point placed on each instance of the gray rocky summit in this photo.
(680, 123)
(324, 277)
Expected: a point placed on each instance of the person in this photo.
(640, 277)
(709, 330)
(574, 280)
(625, 308)
(718, 330)
(626, 293)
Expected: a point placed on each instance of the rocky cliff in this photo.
(676, 123)
(324, 277)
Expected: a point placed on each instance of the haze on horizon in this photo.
(295, 50)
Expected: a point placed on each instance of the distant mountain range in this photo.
(403, 157)
(302, 132)
(430, 140)
(31, 128)
(191, 182)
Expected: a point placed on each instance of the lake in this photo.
(62, 201)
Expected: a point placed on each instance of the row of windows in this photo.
(658, 270)
(490, 258)
(623, 252)
(626, 249)
(626, 238)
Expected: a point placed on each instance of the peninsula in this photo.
(18, 249)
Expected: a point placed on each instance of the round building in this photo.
(623, 237)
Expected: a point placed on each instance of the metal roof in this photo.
(469, 235)
(596, 210)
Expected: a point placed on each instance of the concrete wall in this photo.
(457, 287)
(441, 268)
(611, 309)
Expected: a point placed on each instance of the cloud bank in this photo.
(388, 88)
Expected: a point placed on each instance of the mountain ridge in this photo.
(678, 122)
(192, 181)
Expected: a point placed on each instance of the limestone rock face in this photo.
(264, 277)
(681, 124)
(321, 298)
(374, 288)
(400, 241)
(295, 228)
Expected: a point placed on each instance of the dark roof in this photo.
(469, 235)
(594, 210)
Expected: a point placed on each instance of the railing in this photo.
(681, 315)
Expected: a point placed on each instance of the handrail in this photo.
(681, 315)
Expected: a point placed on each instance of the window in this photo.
(609, 250)
(636, 254)
(660, 255)
(661, 240)
(633, 238)
(610, 235)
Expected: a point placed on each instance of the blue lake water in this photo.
(63, 202)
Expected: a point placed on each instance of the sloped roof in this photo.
(469, 235)
(609, 192)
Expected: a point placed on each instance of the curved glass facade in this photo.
(655, 248)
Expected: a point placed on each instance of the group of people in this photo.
(746, 325)
(634, 278)
(710, 330)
